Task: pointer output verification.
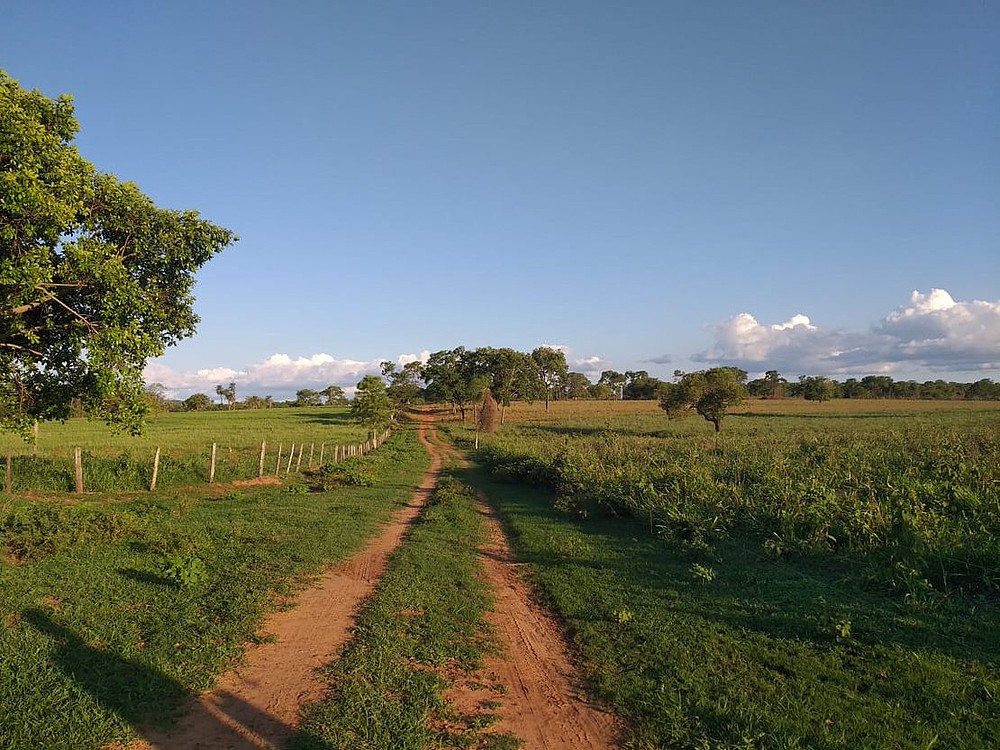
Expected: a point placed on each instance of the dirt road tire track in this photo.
(257, 705)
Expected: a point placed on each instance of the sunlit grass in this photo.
(99, 637)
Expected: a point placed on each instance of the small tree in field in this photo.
(711, 393)
(372, 405)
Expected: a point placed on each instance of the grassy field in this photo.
(114, 610)
(118, 462)
(818, 576)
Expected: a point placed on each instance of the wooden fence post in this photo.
(7, 477)
(260, 464)
(291, 455)
(211, 471)
(156, 470)
(277, 465)
(298, 464)
(311, 446)
(322, 450)
(78, 460)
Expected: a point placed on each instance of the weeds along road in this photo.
(258, 705)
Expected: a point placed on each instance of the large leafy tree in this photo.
(711, 393)
(453, 376)
(94, 278)
(552, 369)
(334, 395)
(511, 375)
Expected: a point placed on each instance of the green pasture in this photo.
(117, 462)
(114, 610)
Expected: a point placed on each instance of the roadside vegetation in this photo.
(822, 578)
(114, 612)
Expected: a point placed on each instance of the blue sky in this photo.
(652, 185)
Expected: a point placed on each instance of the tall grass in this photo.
(916, 495)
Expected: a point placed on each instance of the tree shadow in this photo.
(150, 701)
(325, 417)
(144, 576)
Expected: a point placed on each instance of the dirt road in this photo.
(257, 705)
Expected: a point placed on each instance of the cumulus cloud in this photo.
(279, 373)
(592, 367)
(405, 359)
(933, 331)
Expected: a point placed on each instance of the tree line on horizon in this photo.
(460, 376)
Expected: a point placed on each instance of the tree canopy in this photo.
(94, 278)
(371, 405)
(711, 393)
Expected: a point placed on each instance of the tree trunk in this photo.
(718, 424)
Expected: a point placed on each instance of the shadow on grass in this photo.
(794, 597)
(147, 699)
(144, 576)
(324, 417)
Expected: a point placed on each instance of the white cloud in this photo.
(278, 374)
(940, 333)
(405, 359)
(592, 367)
(934, 332)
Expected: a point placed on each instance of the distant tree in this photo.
(552, 368)
(877, 386)
(229, 393)
(602, 392)
(983, 390)
(576, 385)
(95, 279)
(221, 393)
(775, 383)
(156, 399)
(641, 386)
(403, 383)
(308, 397)
(334, 395)
(197, 402)
(817, 388)
(711, 393)
(253, 402)
(511, 375)
(615, 381)
(452, 377)
(372, 405)
(852, 388)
